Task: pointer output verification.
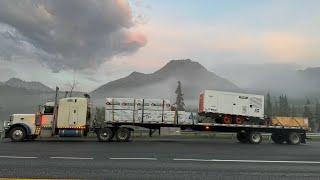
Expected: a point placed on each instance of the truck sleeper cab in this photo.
(72, 120)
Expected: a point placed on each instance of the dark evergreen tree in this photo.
(268, 105)
(180, 100)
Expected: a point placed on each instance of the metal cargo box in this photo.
(222, 102)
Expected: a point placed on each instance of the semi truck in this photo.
(230, 112)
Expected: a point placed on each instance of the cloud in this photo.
(220, 43)
(286, 46)
(72, 34)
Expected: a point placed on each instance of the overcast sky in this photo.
(97, 41)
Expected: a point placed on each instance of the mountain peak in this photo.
(32, 85)
(162, 83)
(183, 62)
(181, 65)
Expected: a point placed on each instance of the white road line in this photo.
(73, 158)
(152, 159)
(249, 161)
(18, 157)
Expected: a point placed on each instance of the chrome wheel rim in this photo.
(17, 134)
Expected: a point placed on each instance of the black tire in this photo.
(123, 135)
(105, 135)
(17, 134)
(255, 137)
(278, 138)
(242, 137)
(294, 138)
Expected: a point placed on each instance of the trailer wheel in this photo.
(294, 138)
(105, 135)
(242, 137)
(277, 138)
(17, 134)
(123, 134)
(255, 137)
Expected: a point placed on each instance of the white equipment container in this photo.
(222, 102)
(72, 112)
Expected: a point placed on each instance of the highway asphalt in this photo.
(158, 158)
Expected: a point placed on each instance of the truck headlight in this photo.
(6, 124)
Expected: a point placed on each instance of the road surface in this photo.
(159, 158)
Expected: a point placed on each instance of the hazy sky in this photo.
(97, 41)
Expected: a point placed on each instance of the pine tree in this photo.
(180, 100)
(269, 111)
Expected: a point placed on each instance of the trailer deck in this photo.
(245, 133)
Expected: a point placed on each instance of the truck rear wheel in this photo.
(105, 135)
(17, 134)
(242, 137)
(123, 134)
(255, 137)
(278, 138)
(294, 138)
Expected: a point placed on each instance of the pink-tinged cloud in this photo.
(168, 41)
(285, 46)
(136, 38)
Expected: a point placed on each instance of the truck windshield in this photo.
(48, 109)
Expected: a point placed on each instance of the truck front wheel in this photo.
(123, 134)
(105, 135)
(17, 134)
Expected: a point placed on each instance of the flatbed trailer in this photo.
(121, 131)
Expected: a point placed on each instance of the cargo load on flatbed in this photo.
(130, 110)
(222, 102)
(290, 122)
(232, 108)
